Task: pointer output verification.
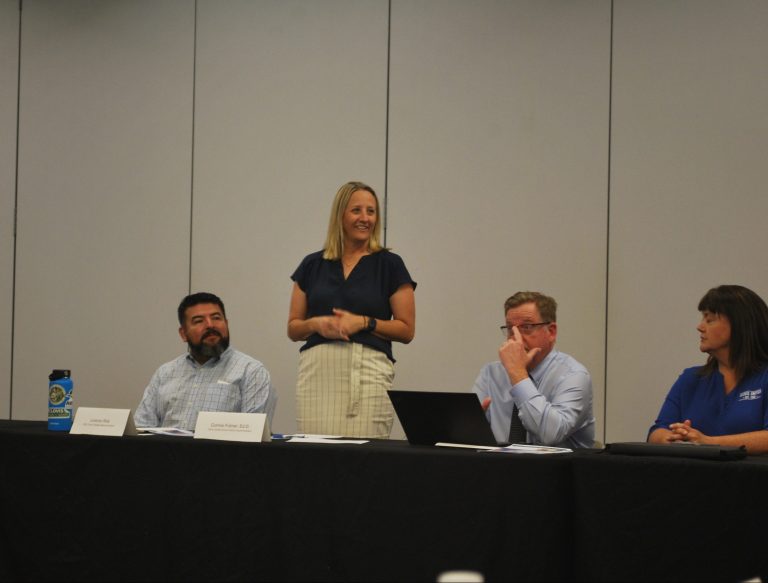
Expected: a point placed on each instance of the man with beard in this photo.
(212, 376)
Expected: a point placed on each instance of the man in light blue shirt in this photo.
(547, 394)
(212, 376)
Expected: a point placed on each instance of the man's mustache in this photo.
(211, 332)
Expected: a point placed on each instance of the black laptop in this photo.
(430, 417)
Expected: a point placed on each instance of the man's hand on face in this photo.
(515, 357)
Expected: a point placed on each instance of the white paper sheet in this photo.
(324, 439)
(466, 445)
(165, 431)
(529, 448)
(309, 435)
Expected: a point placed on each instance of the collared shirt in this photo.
(702, 399)
(555, 401)
(180, 389)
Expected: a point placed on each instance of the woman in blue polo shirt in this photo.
(349, 302)
(724, 401)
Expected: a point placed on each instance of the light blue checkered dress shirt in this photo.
(180, 389)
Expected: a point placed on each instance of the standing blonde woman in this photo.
(349, 302)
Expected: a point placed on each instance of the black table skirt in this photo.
(155, 508)
(669, 519)
(174, 508)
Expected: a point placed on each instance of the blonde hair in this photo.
(334, 242)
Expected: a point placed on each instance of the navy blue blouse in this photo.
(366, 291)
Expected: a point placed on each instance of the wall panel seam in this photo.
(15, 218)
(608, 230)
(192, 153)
(386, 122)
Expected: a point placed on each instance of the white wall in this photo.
(688, 200)
(169, 145)
(104, 195)
(498, 176)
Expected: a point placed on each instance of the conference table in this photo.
(156, 507)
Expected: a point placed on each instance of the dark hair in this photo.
(748, 315)
(199, 298)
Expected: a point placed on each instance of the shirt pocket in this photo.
(222, 396)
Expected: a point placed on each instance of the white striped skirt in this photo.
(342, 390)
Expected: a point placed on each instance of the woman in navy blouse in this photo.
(724, 401)
(349, 302)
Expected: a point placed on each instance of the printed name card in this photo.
(94, 421)
(251, 427)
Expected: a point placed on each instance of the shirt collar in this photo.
(538, 373)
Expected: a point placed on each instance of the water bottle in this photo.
(59, 400)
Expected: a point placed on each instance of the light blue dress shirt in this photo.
(555, 401)
(180, 389)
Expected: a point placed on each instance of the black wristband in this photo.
(371, 325)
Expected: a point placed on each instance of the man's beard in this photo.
(204, 350)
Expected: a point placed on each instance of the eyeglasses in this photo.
(524, 328)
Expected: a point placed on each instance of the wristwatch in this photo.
(371, 324)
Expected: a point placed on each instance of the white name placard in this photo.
(94, 421)
(232, 426)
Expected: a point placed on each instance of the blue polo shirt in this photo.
(702, 399)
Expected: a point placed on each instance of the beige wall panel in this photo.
(104, 196)
(688, 201)
(290, 104)
(9, 69)
(498, 176)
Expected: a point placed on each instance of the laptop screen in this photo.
(430, 417)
